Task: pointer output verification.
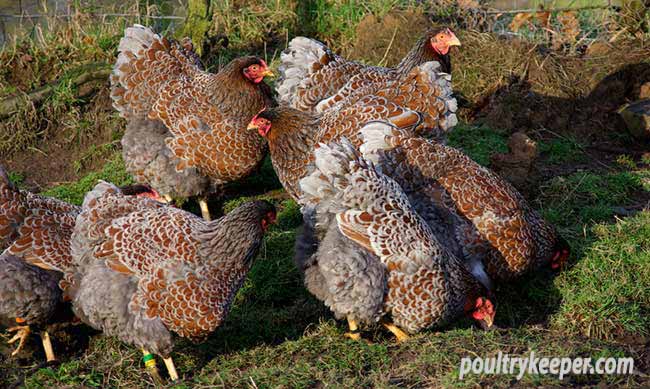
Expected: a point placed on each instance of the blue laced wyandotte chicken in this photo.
(145, 270)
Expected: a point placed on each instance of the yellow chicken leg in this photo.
(150, 365)
(205, 211)
(171, 369)
(354, 330)
(47, 346)
(401, 335)
(22, 332)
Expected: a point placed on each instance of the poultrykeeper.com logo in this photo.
(534, 365)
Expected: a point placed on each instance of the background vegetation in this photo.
(559, 77)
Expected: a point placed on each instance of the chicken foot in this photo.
(47, 346)
(354, 330)
(150, 365)
(171, 369)
(399, 334)
(205, 211)
(22, 332)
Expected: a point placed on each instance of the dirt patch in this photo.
(531, 87)
(80, 142)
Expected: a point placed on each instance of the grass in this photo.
(74, 192)
(466, 137)
(279, 336)
(607, 293)
(562, 150)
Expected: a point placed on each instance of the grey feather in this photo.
(103, 302)
(150, 161)
(27, 291)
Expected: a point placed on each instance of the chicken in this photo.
(423, 89)
(406, 272)
(36, 232)
(145, 270)
(292, 134)
(35, 236)
(493, 224)
(186, 127)
(311, 73)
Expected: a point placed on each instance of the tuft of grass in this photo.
(113, 172)
(584, 198)
(607, 293)
(17, 178)
(562, 150)
(478, 142)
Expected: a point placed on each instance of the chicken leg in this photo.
(401, 335)
(171, 369)
(354, 330)
(150, 364)
(47, 346)
(22, 332)
(205, 211)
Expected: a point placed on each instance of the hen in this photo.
(146, 270)
(35, 231)
(493, 224)
(311, 74)
(186, 127)
(293, 134)
(405, 272)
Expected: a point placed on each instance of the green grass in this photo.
(74, 193)
(479, 142)
(585, 198)
(279, 336)
(562, 150)
(607, 293)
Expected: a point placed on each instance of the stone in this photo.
(637, 118)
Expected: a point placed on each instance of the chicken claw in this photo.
(401, 335)
(22, 332)
(354, 330)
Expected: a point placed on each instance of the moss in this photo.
(197, 23)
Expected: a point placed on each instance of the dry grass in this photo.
(277, 335)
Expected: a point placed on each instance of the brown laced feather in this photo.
(206, 114)
(188, 270)
(294, 133)
(332, 72)
(493, 220)
(34, 228)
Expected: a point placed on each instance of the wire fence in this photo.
(12, 22)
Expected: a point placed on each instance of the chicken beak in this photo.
(252, 127)
(453, 41)
(489, 321)
(268, 73)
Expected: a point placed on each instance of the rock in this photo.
(637, 118)
(517, 166)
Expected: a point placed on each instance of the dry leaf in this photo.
(544, 19)
(570, 26)
(519, 20)
(467, 4)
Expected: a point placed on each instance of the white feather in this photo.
(296, 65)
